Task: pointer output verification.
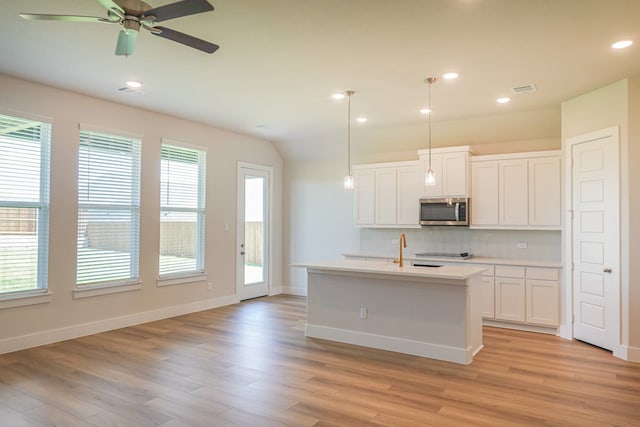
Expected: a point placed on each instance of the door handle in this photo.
(607, 270)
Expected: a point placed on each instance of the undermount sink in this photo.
(426, 265)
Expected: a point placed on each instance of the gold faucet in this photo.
(403, 242)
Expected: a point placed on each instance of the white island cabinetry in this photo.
(429, 312)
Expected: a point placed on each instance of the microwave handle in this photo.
(457, 211)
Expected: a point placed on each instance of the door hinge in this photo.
(573, 318)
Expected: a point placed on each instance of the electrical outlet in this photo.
(363, 312)
(522, 245)
(210, 286)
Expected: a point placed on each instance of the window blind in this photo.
(24, 204)
(108, 209)
(182, 210)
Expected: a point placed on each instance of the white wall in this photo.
(618, 104)
(65, 316)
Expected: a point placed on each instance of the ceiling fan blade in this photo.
(185, 39)
(126, 42)
(67, 18)
(110, 4)
(179, 9)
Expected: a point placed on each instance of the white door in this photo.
(254, 183)
(596, 238)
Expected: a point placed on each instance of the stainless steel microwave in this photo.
(444, 211)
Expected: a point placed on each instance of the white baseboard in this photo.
(275, 290)
(60, 334)
(520, 327)
(628, 353)
(295, 290)
(382, 342)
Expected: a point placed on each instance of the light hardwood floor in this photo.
(250, 365)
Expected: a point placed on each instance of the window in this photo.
(108, 209)
(182, 210)
(24, 204)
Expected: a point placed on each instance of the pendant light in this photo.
(429, 176)
(348, 179)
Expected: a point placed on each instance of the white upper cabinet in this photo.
(408, 194)
(451, 169)
(364, 193)
(387, 194)
(513, 197)
(544, 191)
(516, 191)
(484, 193)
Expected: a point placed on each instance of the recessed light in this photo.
(450, 76)
(503, 100)
(338, 95)
(622, 44)
(362, 120)
(134, 84)
(425, 111)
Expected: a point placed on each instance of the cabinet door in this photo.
(385, 196)
(513, 196)
(364, 186)
(488, 297)
(484, 193)
(542, 302)
(408, 205)
(544, 191)
(436, 166)
(510, 296)
(454, 174)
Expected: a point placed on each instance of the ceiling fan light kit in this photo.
(134, 14)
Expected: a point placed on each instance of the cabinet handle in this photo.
(607, 270)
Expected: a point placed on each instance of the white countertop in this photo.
(474, 260)
(453, 272)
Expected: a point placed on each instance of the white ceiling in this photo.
(280, 60)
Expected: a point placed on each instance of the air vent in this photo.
(129, 91)
(523, 89)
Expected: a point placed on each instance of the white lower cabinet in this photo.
(510, 296)
(542, 296)
(525, 295)
(488, 299)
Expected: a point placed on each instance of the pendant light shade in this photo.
(429, 176)
(348, 179)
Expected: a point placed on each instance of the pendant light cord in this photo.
(429, 101)
(349, 93)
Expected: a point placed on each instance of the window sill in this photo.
(24, 299)
(181, 280)
(106, 290)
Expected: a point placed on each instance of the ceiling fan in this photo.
(134, 14)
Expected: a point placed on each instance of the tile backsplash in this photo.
(541, 245)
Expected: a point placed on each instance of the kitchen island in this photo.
(425, 311)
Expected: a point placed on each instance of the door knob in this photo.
(607, 270)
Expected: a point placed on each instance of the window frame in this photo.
(39, 294)
(199, 274)
(132, 282)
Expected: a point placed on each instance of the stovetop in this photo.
(460, 255)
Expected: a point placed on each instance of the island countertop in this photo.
(451, 272)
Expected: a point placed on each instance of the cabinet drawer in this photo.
(505, 271)
(543, 273)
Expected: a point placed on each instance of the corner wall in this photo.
(65, 317)
(617, 104)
